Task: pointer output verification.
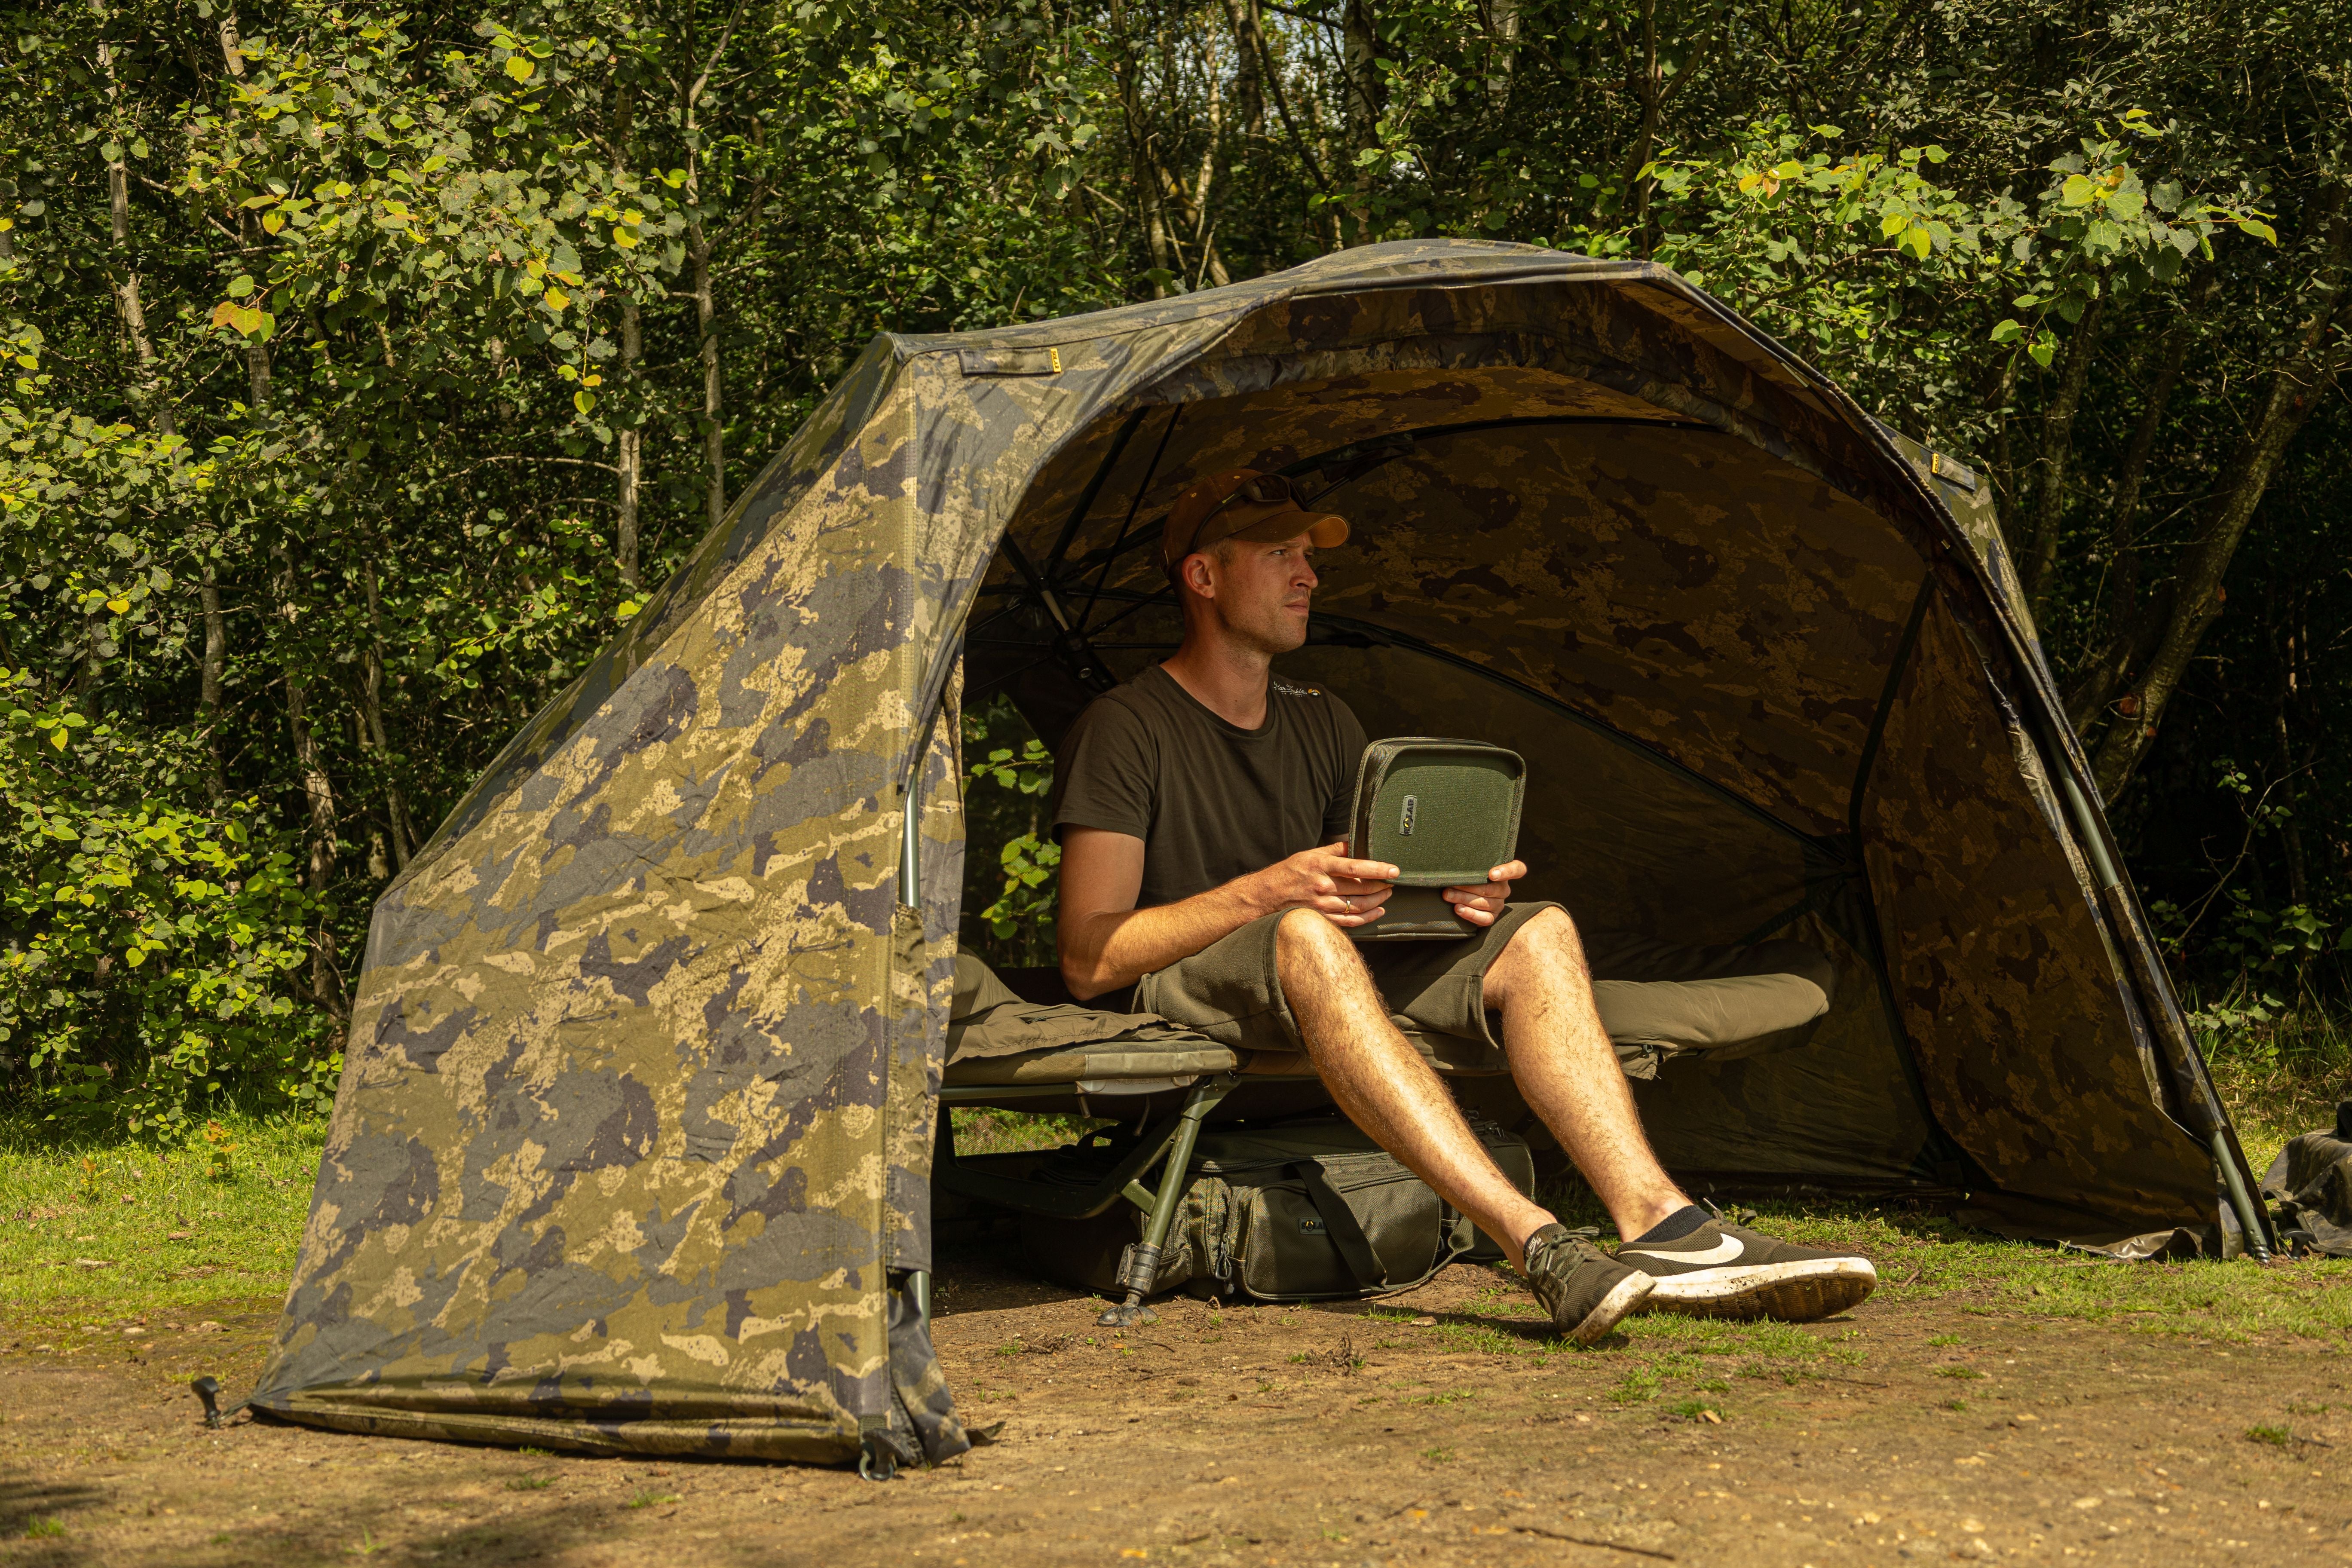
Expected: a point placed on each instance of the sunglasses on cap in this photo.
(1265, 489)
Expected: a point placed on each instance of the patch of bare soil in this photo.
(1345, 1434)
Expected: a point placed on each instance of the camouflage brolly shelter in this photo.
(632, 1147)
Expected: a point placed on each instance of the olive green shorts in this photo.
(1231, 991)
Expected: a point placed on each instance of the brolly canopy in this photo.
(635, 1123)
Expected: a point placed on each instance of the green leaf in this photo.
(240, 286)
(2043, 349)
(2259, 229)
(584, 400)
(1892, 223)
(2078, 191)
(2007, 332)
(520, 67)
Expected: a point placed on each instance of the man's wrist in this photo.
(1250, 890)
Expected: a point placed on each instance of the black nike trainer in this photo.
(1586, 1292)
(1725, 1271)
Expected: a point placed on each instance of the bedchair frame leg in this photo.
(1139, 1266)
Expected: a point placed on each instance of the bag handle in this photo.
(1340, 1225)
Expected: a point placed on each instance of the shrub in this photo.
(146, 956)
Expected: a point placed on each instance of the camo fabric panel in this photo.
(1998, 963)
(788, 476)
(612, 1151)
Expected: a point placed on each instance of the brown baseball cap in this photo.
(1243, 503)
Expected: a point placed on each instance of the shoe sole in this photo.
(1623, 1298)
(1792, 1292)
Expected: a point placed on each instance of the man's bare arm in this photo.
(1106, 941)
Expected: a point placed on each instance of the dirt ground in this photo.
(1431, 1428)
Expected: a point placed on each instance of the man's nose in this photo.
(1303, 576)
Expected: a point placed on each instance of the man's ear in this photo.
(1198, 577)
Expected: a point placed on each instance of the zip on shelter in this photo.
(633, 1147)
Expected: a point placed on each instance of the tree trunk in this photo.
(1645, 140)
(1205, 227)
(629, 440)
(319, 794)
(1249, 92)
(2290, 830)
(396, 800)
(318, 789)
(1502, 46)
(2123, 553)
(208, 677)
(2303, 375)
(714, 434)
(149, 395)
(1361, 54)
(2057, 450)
(706, 306)
(2126, 638)
(1150, 201)
(1282, 104)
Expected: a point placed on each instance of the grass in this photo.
(987, 1132)
(98, 1237)
(2282, 1076)
(93, 1235)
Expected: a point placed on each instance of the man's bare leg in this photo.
(1567, 1073)
(1384, 1085)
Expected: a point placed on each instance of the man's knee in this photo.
(1545, 947)
(1307, 945)
(1551, 932)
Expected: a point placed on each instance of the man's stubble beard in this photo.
(1272, 634)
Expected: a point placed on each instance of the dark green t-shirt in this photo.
(1210, 800)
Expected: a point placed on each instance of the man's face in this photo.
(1259, 594)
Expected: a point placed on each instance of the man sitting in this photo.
(1203, 812)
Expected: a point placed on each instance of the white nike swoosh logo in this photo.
(1723, 1251)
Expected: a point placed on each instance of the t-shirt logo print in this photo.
(1405, 826)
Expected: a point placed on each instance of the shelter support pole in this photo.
(910, 843)
(1138, 1266)
(1070, 645)
(2163, 1014)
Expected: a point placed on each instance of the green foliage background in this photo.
(369, 366)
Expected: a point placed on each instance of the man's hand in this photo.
(1480, 905)
(1344, 891)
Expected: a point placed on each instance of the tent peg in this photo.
(207, 1389)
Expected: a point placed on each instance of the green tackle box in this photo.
(1444, 813)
